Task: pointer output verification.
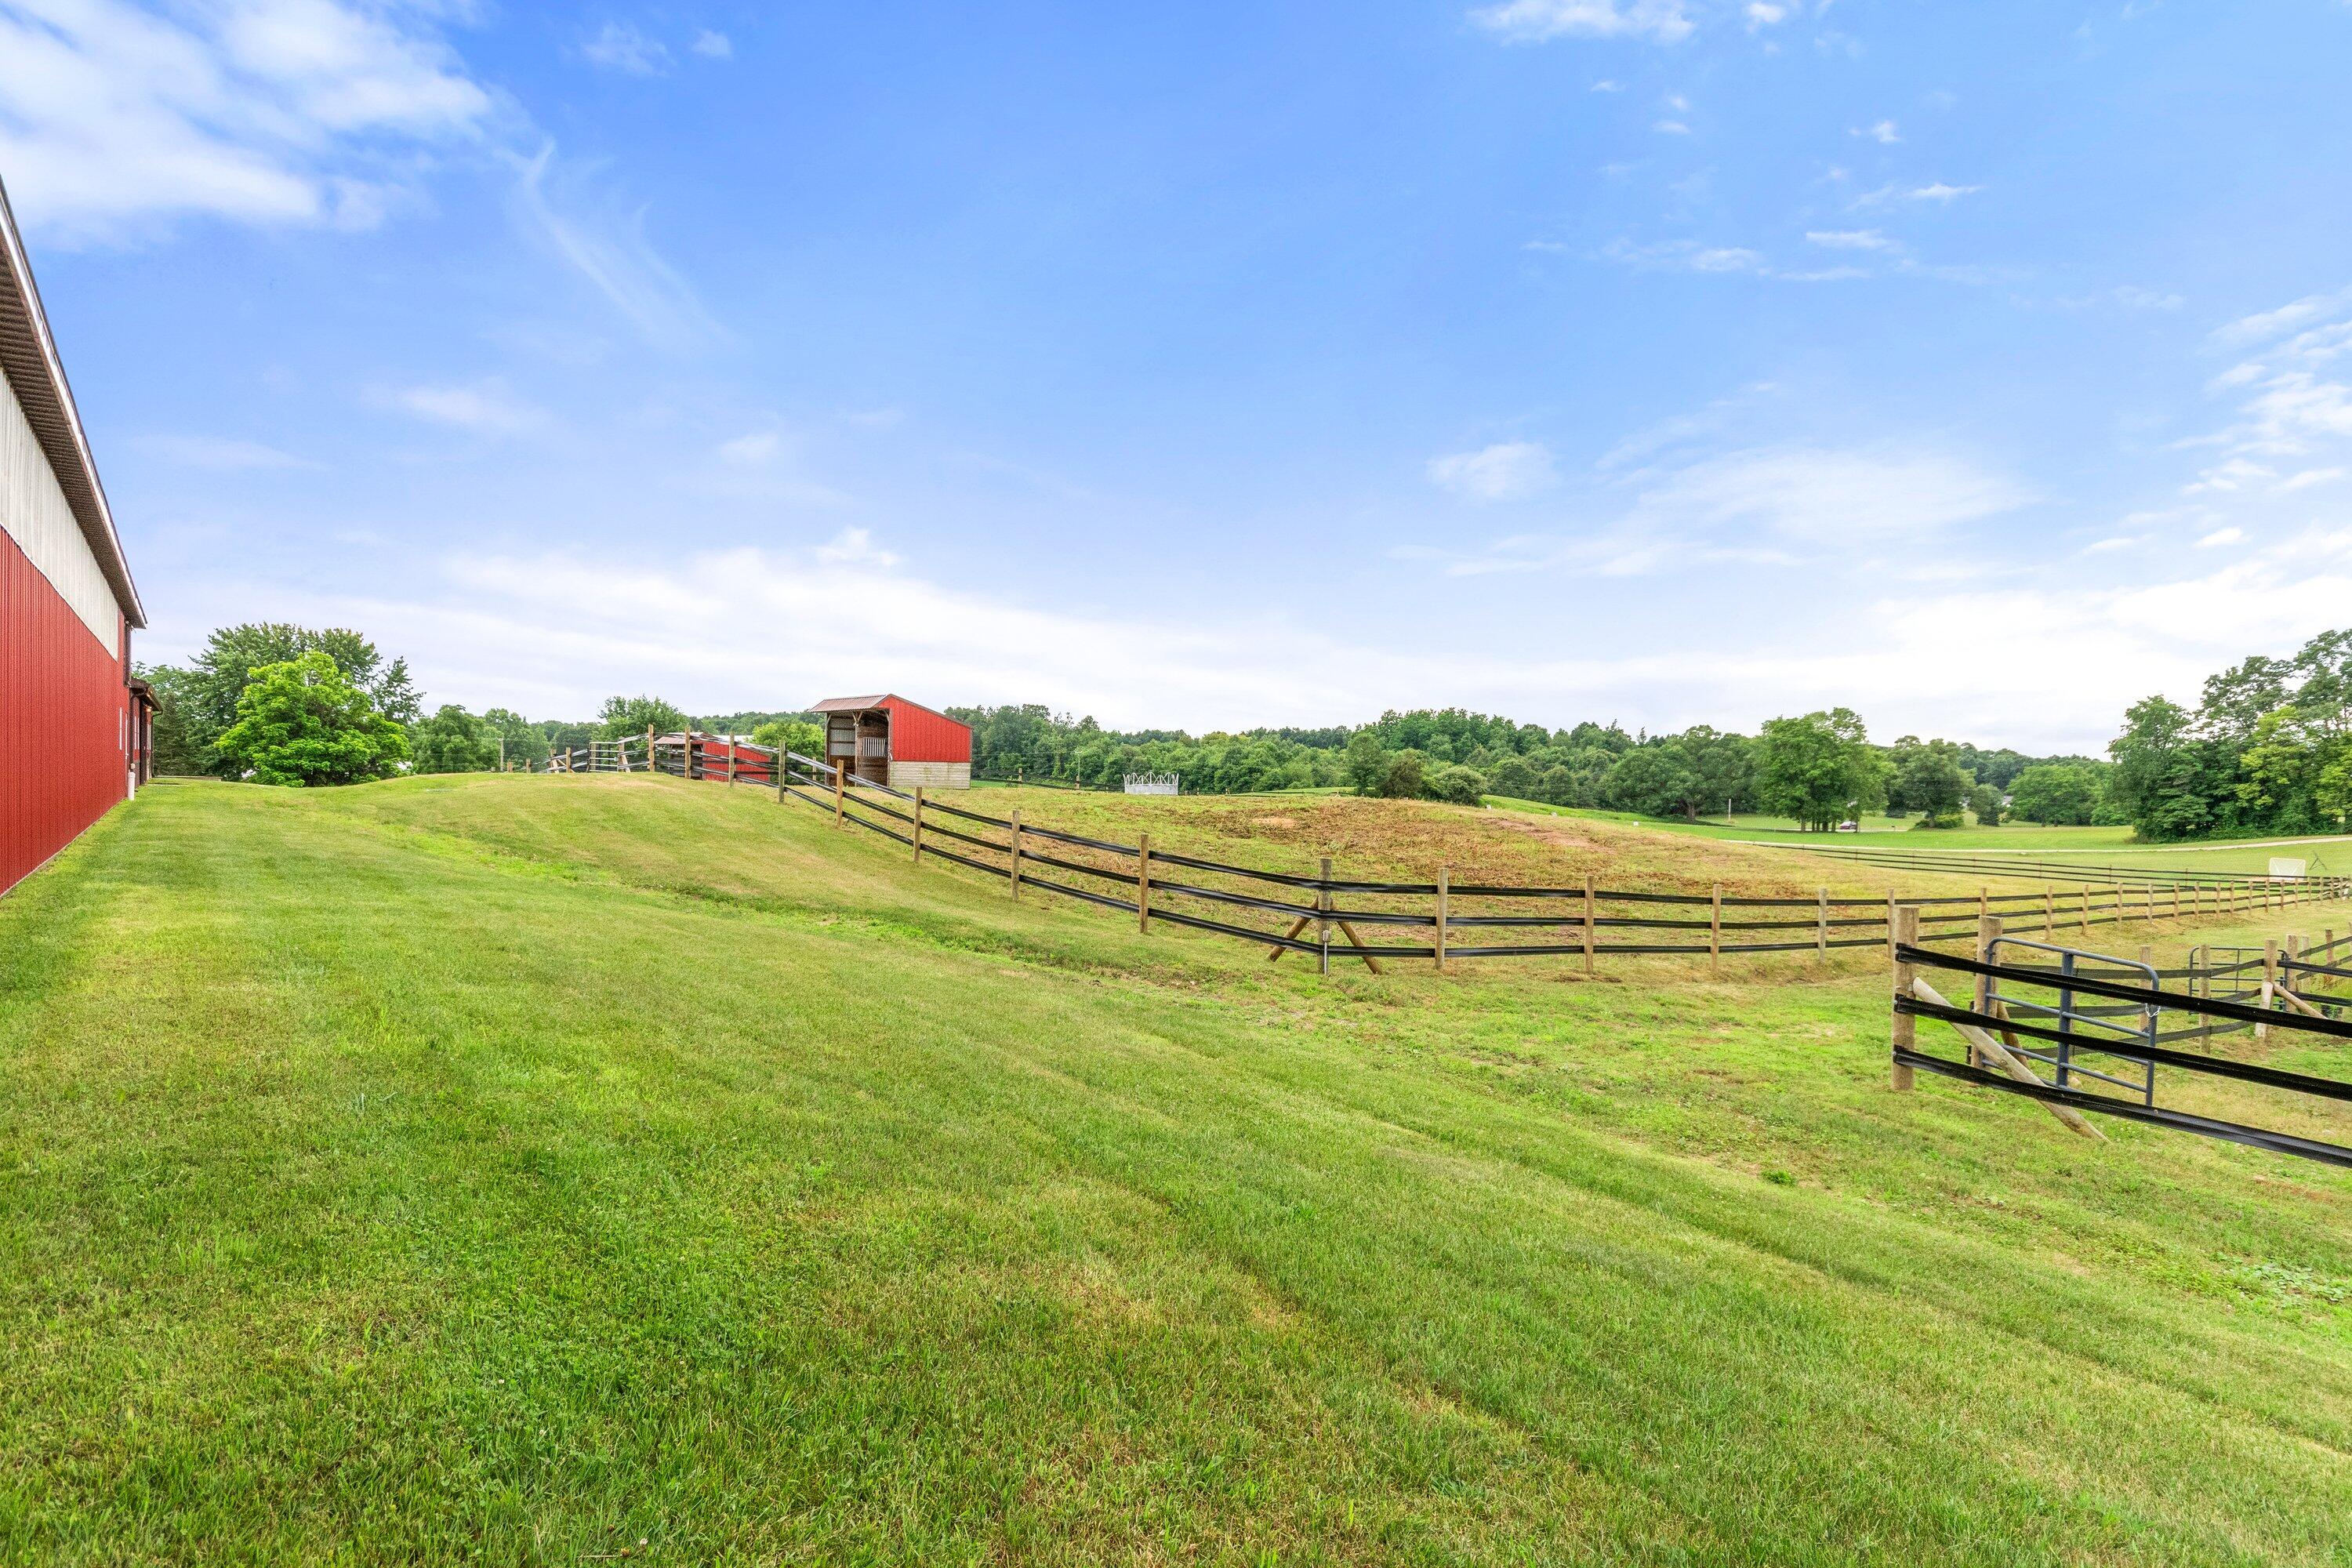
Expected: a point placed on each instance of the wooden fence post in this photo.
(778, 776)
(1443, 878)
(1905, 1031)
(1143, 884)
(2082, 915)
(1988, 933)
(1821, 923)
(1016, 857)
(1714, 934)
(730, 762)
(836, 783)
(1890, 926)
(2270, 987)
(918, 825)
(1588, 925)
(1323, 925)
(649, 751)
(2049, 911)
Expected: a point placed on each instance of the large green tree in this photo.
(622, 717)
(303, 721)
(2059, 795)
(800, 736)
(452, 741)
(1816, 766)
(1928, 778)
(523, 744)
(206, 692)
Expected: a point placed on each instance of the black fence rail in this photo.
(1326, 915)
(1996, 1057)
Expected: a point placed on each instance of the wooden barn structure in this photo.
(74, 726)
(891, 740)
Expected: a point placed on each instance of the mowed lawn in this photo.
(519, 1169)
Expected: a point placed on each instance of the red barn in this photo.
(893, 742)
(72, 729)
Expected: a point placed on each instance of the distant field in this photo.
(518, 1170)
(2089, 846)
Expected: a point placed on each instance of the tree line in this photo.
(1816, 768)
(2268, 748)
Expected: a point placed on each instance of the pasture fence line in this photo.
(1993, 863)
(1444, 922)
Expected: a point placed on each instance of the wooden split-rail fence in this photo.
(1443, 921)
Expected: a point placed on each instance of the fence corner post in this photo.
(1902, 1033)
(918, 825)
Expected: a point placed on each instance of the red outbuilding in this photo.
(892, 740)
(73, 730)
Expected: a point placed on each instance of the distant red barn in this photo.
(73, 724)
(892, 740)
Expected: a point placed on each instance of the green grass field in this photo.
(518, 1169)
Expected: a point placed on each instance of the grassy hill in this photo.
(517, 1169)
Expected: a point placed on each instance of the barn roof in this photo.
(867, 704)
(30, 356)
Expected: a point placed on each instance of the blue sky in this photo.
(1983, 367)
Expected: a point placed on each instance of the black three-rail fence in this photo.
(1445, 920)
(2100, 1027)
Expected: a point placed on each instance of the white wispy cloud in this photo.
(618, 46)
(712, 45)
(604, 242)
(1727, 260)
(1849, 240)
(1835, 497)
(1764, 13)
(2220, 537)
(759, 447)
(1534, 21)
(222, 454)
(115, 118)
(1936, 192)
(1883, 132)
(1507, 470)
(484, 408)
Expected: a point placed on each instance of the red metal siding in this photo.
(751, 766)
(919, 735)
(63, 708)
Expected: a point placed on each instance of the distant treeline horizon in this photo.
(2267, 750)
